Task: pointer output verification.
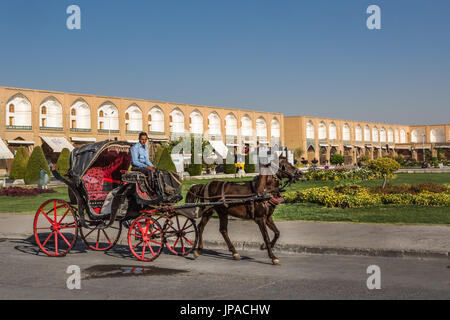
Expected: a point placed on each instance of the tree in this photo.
(37, 160)
(337, 159)
(384, 166)
(19, 166)
(63, 163)
(164, 161)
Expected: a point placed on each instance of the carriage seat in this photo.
(98, 185)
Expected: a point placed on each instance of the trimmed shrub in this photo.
(19, 166)
(230, 168)
(249, 167)
(37, 159)
(63, 163)
(195, 169)
(165, 161)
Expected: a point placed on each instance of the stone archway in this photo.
(323, 155)
(311, 153)
(348, 156)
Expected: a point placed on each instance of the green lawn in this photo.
(308, 212)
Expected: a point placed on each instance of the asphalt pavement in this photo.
(303, 237)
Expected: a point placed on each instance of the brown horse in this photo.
(259, 211)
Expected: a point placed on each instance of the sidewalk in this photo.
(303, 237)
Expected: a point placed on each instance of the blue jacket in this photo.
(139, 156)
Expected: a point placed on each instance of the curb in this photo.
(298, 249)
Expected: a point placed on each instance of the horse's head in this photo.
(287, 170)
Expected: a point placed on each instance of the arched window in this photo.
(358, 133)
(133, 118)
(246, 126)
(231, 128)
(332, 133)
(156, 120)
(19, 108)
(214, 124)
(177, 121)
(437, 135)
(346, 132)
(109, 116)
(402, 136)
(310, 130)
(261, 128)
(275, 129)
(196, 122)
(418, 136)
(44, 110)
(80, 115)
(383, 135)
(367, 133)
(374, 134)
(322, 131)
(390, 136)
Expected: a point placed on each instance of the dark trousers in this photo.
(145, 171)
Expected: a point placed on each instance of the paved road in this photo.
(25, 275)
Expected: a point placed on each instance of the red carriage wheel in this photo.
(181, 235)
(145, 238)
(101, 239)
(55, 228)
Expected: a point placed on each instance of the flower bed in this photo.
(343, 174)
(23, 192)
(354, 196)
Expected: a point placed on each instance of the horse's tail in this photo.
(194, 193)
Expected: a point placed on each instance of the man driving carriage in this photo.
(139, 157)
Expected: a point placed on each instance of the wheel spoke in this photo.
(64, 216)
(98, 238)
(143, 250)
(135, 235)
(151, 249)
(155, 242)
(64, 238)
(47, 238)
(45, 214)
(107, 238)
(56, 243)
(138, 244)
(188, 241)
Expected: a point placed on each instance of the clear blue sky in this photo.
(295, 57)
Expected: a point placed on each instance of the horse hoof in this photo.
(263, 246)
(236, 256)
(196, 254)
(276, 262)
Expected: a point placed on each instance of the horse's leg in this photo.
(275, 230)
(223, 228)
(205, 218)
(262, 226)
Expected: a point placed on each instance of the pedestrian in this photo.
(43, 178)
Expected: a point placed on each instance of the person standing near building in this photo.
(139, 157)
(43, 178)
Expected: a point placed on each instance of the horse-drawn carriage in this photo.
(105, 197)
